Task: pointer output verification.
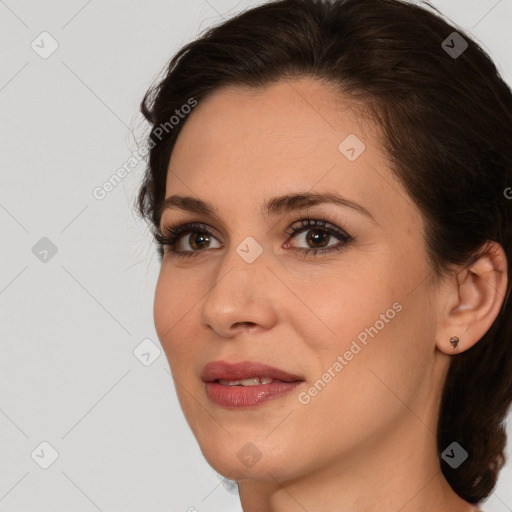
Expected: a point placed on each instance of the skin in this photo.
(366, 442)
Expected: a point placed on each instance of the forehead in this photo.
(292, 134)
(282, 111)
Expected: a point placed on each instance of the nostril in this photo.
(245, 324)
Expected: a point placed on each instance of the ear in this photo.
(472, 299)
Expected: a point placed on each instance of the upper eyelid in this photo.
(303, 221)
(187, 227)
(295, 228)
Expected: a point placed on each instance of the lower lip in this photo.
(236, 397)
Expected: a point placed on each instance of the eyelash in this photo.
(172, 233)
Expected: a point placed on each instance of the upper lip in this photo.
(244, 370)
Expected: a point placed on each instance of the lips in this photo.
(245, 370)
(234, 386)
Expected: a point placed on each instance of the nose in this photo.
(242, 296)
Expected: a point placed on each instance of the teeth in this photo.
(250, 382)
(246, 382)
(229, 382)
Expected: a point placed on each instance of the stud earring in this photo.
(454, 341)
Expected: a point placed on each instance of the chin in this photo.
(240, 460)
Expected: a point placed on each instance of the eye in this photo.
(317, 234)
(198, 239)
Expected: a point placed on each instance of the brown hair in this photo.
(447, 125)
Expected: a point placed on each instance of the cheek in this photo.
(163, 307)
(382, 331)
(394, 348)
(171, 311)
(351, 306)
(368, 372)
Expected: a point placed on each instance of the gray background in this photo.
(70, 323)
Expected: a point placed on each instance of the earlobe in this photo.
(475, 299)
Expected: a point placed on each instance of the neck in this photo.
(401, 472)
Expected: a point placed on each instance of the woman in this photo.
(329, 186)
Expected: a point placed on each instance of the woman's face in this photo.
(357, 325)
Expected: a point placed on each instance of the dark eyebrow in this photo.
(274, 206)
